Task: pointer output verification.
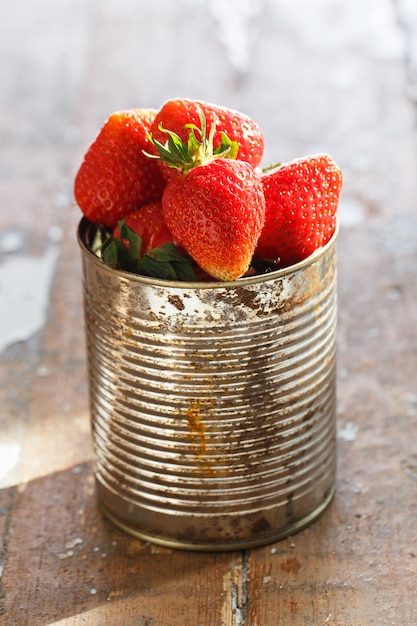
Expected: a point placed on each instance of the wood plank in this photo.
(67, 564)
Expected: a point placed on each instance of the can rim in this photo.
(200, 546)
(84, 233)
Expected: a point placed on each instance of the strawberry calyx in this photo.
(164, 261)
(199, 148)
(270, 168)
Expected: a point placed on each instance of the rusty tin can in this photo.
(213, 405)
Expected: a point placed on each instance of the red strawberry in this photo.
(175, 115)
(148, 222)
(301, 205)
(216, 213)
(115, 176)
(215, 209)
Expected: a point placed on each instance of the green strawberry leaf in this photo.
(148, 266)
(176, 147)
(114, 253)
(166, 253)
(168, 262)
(193, 144)
(164, 261)
(110, 254)
(184, 271)
(227, 148)
(135, 241)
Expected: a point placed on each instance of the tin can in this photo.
(213, 405)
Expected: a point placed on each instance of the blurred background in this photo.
(332, 75)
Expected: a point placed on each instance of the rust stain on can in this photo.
(213, 405)
(197, 426)
(195, 417)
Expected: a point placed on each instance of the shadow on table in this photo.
(62, 558)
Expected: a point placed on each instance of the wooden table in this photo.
(338, 77)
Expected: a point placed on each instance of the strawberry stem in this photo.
(269, 168)
(197, 151)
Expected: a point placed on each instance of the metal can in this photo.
(213, 405)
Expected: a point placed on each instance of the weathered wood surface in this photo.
(317, 75)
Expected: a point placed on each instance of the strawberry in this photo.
(176, 115)
(301, 200)
(216, 213)
(147, 222)
(215, 209)
(115, 176)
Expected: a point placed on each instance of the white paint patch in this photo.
(9, 458)
(74, 542)
(25, 283)
(348, 432)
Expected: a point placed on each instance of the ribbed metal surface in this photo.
(213, 406)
